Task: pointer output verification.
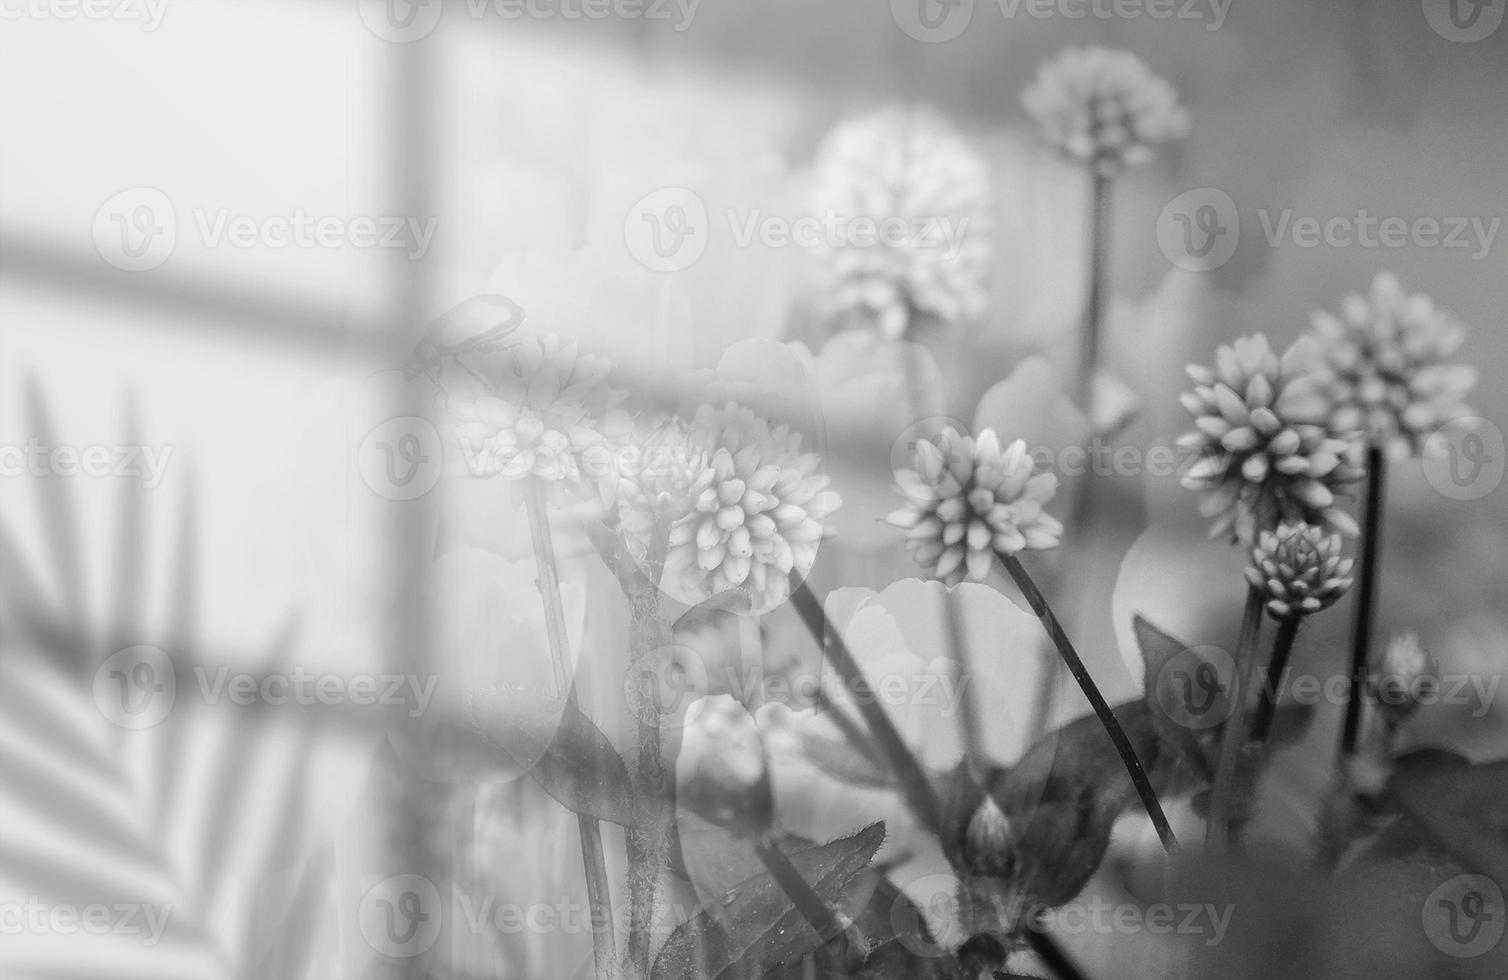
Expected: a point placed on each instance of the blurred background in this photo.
(224, 223)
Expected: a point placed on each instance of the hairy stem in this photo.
(1366, 596)
(1112, 725)
(842, 937)
(604, 943)
(1222, 796)
(917, 788)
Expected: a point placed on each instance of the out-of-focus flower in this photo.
(745, 506)
(1269, 450)
(923, 194)
(968, 499)
(988, 839)
(1403, 677)
(1299, 570)
(539, 409)
(1105, 108)
(1384, 354)
(721, 773)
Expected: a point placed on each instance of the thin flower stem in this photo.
(1094, 302)
(1222, 795)
(1052, 955)
(915, 785)
(1282, 650)
(1366, 595)
(844, 939)
(1112, 725)
(593, 859)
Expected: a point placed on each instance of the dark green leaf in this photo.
(752, 929)
(562, 749)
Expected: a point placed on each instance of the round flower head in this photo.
(1405, 676)
(1384, 354)
(1298, 569)
(746, 508)
(925, 193)
(1105, 108)
(968, 499)
(540, 409)
(1269, 451)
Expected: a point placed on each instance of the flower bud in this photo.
(1404, 677)
(989, 840)
(1299, 570)
(722, 770)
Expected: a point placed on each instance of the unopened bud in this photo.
(1405, 677)
(988, 841)
(722, 772)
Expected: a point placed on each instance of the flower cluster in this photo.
(744, 505)
(1105, 108)
(1384, 355)
(1299, 570)
(540, 406)
(1403, 677)
(967, 499)
(927, 193)
(1269, 448)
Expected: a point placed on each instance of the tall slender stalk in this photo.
(916, 787)
(1092, 333)
(1112, 725)
(1222, 796)
(848, 945)
(1282, 650)
(1366, 595)
(594, 862)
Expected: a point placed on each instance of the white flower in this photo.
(1269, 450)
(541, 409)
(903, 170)
(967, 499)
(1385, 356)
(1105, 107)
(744, 504)
(721, 772)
